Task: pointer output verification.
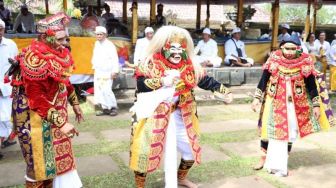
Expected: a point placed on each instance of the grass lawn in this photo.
(236, 166)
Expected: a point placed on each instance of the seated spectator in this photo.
(5, 15)
(160, 19)
(107, 15)
(90, 20)
(235, 51)
(266, 36)
(207, 50)
(24, 22)
(284, 35)
(142, 45)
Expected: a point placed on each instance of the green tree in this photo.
(297, 13)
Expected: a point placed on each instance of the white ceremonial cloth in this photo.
(103, 93)
(68, 180)
(147, 102)
(105, 62)
(177, 140)
(277, 157)
(291, 114)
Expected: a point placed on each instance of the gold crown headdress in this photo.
(177, 38)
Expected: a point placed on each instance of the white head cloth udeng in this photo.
(2, 24)
(100, 30)
(286, 26)
(207, 31)
(149, 30)
(236, 30)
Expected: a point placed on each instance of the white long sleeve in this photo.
(140, 47)
(105, 58)
(8, 49)
(230, 48)
(207, 49)
(197, 48)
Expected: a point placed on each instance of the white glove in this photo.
(168, 81)
(173, 73)
(171, 78)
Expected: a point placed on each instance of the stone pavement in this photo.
(244, 182)
(227, 126)
(313, 162)
(317, 176)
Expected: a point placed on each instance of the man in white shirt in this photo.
(105, 62)
(323, 47)
(235, 54)
(26, 20)
(141, 45)
(208, 51)
(8, 49)
(284, 36)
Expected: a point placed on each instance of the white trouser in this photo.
(277, 157)
(103, 93)
(215, 60)
(230, 57)
(177, 139)
(67, 180)
(6, 128)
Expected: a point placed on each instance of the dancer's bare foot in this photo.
(187, 183)
(261, 163)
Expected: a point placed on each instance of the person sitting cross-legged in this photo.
(235, 51)
(208, 51)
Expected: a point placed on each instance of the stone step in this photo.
(244, 89)
(227, 75)
(243, 182)
(202, 100)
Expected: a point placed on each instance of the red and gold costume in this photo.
(300, 73)
(152, 135)
(290, 103)
(41, 92)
